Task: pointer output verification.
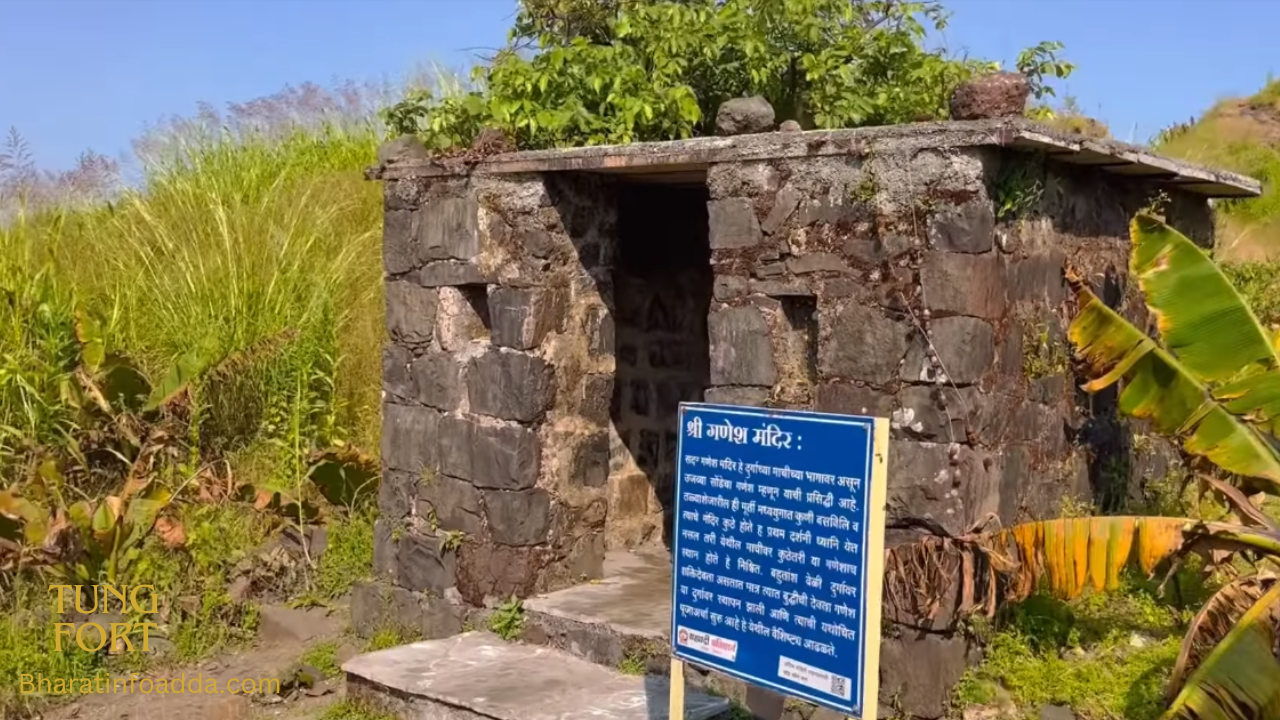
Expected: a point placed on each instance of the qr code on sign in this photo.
(837, 686)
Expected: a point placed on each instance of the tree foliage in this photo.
(615, 71)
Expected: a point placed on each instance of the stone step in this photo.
(478, 676)
(623, 620)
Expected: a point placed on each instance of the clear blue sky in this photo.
(79, 74)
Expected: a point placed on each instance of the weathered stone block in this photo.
(861, 344)
(798, 288)
(742, 179)
(951, 484)
(769, 270)
(942, 413)
(629, 494)
(510, 385)
(817, 262)
(784, 204)
(437, 378)
(518, 517)
(586, 558)
(964, 284)
(989, 96)
(967, 228)
(727, 287)
(491, 571)
(965, 346)
(849, 399)
(399, 244)
(456, 434)
(1049, 390)
(596, 399)
(449, 228)
(522, 317)
(537, 242)
(750, 396)
(440, 618)
(600, 331)
(450, 273)
(500, 456)
(403, 194)
(919, 670)
(385, 545)
(733, 224)
(1039, 425)
(456, 504)
(396, 493)
(463, 317)
(590, 465)
(424, 564)
(743, 116)
(1038, 277)
(377, 605)
(397, 381)
(411, 312)
(409, 437)
(741, 353)
(922, 485)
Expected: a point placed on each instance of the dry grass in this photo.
(1241, 135)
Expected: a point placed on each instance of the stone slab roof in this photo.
(688, 159)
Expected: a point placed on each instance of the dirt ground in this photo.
(285, 635)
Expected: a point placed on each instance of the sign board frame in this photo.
(872, 431)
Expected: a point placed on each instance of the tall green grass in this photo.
(262, 248)
(259, 245)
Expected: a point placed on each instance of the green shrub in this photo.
(1105, 654)
(1259, 282)
(619, 72)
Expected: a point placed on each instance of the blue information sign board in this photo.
(778, 549)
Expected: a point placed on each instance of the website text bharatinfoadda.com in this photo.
(38, 684)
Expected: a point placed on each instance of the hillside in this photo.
(1243, 135)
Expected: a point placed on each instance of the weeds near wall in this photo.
(1017, 189)
(507, 620)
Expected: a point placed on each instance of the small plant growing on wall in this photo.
(507, 620)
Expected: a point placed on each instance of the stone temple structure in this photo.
(547, 312)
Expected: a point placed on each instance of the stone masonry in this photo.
(909, 274)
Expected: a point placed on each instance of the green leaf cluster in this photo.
(591, 72)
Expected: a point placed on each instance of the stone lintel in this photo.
(692, 156)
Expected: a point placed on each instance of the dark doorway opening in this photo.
(662, 292)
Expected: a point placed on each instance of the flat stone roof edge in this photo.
(698, 153)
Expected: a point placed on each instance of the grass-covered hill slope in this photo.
(1243, 135)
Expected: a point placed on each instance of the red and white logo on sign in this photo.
(707, 643)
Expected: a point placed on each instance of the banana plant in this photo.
(1226, 669)
(29, 534)
(1215, 381)
(1211, 381)
(83, 541)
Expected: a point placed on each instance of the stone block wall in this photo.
(887, 285)
(541, 335)
(498, 373)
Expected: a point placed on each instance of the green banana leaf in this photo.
(1161, 388)
(1240, 678)
(1206, 323)
(1203, 320)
